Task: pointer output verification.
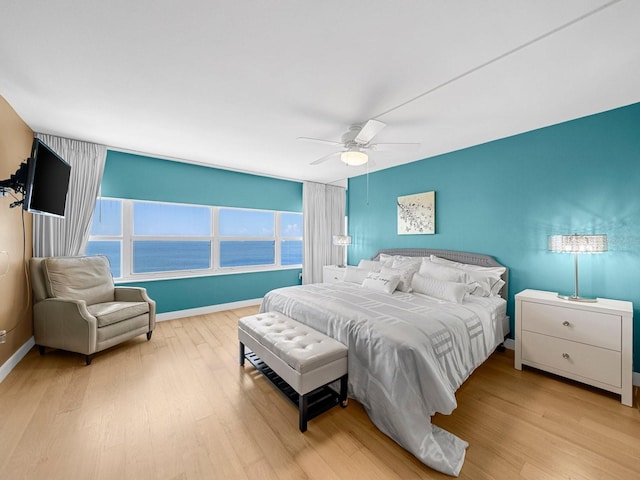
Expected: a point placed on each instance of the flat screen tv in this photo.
(47, 181)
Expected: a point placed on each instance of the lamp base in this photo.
(573, 298)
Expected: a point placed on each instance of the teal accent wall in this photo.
(185, 293)
(505, 197)
(140, 177)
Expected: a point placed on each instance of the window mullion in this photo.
(127, 237)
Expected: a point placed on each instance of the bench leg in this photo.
(241, 358)
(344, 384)
(303, 405)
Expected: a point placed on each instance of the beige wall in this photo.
(15, 300)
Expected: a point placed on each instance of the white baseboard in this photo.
(161, 317)
(10, 364)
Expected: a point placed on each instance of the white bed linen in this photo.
(408, 354)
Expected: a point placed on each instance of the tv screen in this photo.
(47, 181)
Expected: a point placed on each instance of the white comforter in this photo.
(408, 354)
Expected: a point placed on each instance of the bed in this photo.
(409, 349)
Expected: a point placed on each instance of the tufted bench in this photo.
(308, 361)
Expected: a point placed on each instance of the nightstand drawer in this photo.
(576, 359)
(592, 328)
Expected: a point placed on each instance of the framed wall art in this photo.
(417, 214)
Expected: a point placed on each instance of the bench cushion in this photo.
(301, 347)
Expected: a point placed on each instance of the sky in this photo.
(161, 219)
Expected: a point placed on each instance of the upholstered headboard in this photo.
(454, 255)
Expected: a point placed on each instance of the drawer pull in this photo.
(565, 355)
(566, 324)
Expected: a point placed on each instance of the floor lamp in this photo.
(577, 244)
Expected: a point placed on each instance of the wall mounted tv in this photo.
(47, 181)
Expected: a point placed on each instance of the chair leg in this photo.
(88, 358)
(149, 335)
(41, 349)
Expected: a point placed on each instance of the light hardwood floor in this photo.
(180, 407)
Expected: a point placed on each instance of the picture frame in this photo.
(417, 214)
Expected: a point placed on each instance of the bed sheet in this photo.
(408, 354)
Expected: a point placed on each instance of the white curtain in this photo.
(66, 236)
(323, 210)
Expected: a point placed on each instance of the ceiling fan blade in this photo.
(325, 158)
(395, 147)
(368, 131)
(318, 140)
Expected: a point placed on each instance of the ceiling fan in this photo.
(357, 141)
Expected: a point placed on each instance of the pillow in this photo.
(449, 291)
(355, 275)
(407, 263)
(487, 278)
(386, 260)
(468, 267)
(370, 265)
(405, 277)
(442, 272)
(485, 285)
(381, 282)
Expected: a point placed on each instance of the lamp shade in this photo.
(342, 239)
(354, 157)
(578, 243)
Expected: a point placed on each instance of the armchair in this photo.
(78, 308)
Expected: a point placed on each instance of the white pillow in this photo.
(405, 277)
(468, 267)
(370, 265)
(487, 278)
(381, 282)
(407, 263)
(355, 275)
(386, 260)
(442, 272)
(450, 291)
(485, 285)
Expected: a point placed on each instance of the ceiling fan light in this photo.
(353, 158)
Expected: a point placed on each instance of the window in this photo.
(156, 240)
(169, 237)
(247, 237)
(106, 233)
(291, 238)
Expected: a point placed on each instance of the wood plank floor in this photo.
(180, 407)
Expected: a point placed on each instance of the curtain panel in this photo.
(68, 236)
(323, 211)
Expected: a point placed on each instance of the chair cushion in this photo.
(109, 313)
(79, 278)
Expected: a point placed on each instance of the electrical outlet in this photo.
(3, 336)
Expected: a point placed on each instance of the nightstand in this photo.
(332, 274)
(588, 342)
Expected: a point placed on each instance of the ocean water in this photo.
(157, 256)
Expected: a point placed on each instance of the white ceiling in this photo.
(233, 84)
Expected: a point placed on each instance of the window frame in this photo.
(127, 239)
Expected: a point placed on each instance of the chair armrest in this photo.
(66, 324)
(131, 294)
(137, 294)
